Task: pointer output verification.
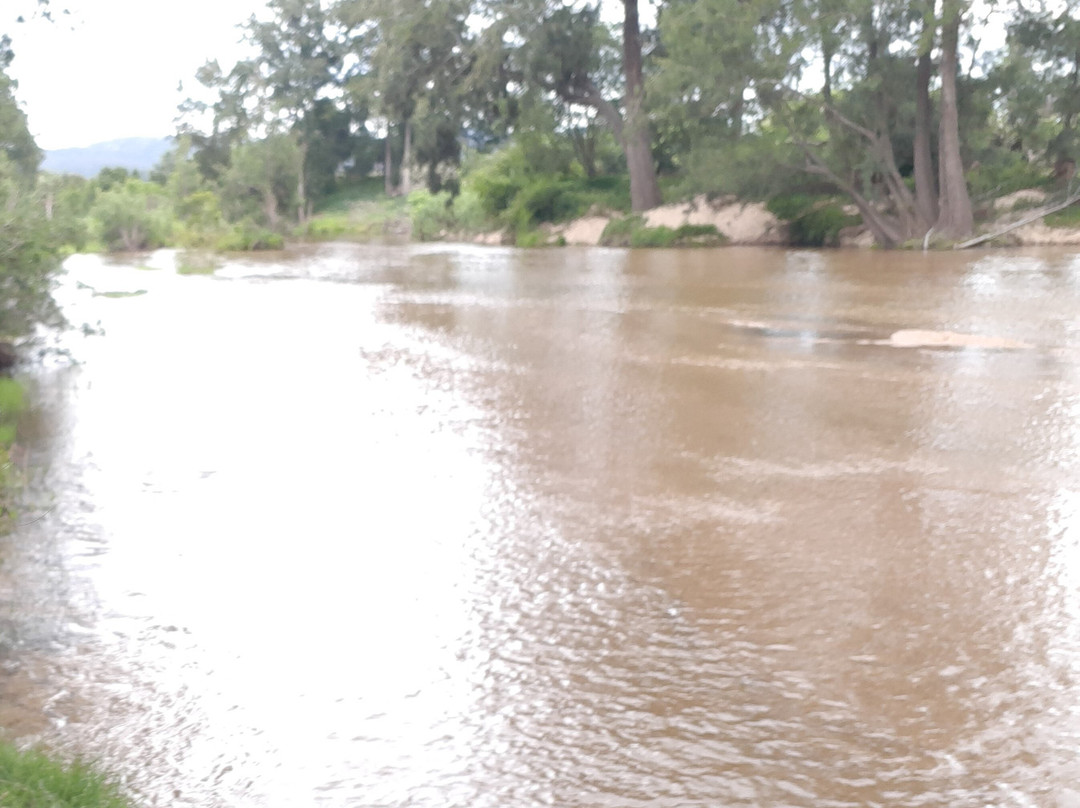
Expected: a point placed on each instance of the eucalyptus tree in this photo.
(410, 64)
(298, 63)
(715, 54)
(559, 47)
(1043, 82)
(879, 95)
(287, 87)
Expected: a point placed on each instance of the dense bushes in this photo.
(536, 181)
(29, 256)
(812, 221)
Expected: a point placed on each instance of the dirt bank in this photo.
(741, 223)
(750, 223)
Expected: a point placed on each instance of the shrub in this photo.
(247, 235)
(546, 200)
(1007, 173)
(812, 222)
(620, 229)
(631, 231)
(1069, 217)
(653, 237)
(431, 214)
(29, 258)
(133, 216)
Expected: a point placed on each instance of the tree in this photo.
(262, 180)
(850, 138)
(955, 219)
(291, 87)
(564, 57)
(28, 245)
(411, 65)
(133, 215)
(1041, 81)
(298, 60)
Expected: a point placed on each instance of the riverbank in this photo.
(729, 221)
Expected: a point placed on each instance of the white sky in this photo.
(111, 68)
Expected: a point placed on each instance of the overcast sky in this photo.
(111, 69)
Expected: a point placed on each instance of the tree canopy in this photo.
(889, 105)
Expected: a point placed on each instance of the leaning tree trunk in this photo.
(955, 219)
(636, 142)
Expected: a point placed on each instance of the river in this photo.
(436, 525)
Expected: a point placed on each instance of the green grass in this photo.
(362, 221)
(1070, 217)
(369, 189)
(35, 780)
(631, 231)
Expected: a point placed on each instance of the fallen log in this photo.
(963, 245)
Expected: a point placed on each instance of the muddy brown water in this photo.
(450, 526)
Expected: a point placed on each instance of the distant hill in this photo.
(133, 153)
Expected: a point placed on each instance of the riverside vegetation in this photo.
(454, 118)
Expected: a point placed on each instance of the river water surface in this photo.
(450, 526)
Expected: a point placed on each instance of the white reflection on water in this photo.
(290, 526)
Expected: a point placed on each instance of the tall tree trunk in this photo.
(270, 206)
(301, 185)
(925, 187)
(738, 110)
(636, 142)
(955, 219)
(406, 160)
(388, 166)
(826, 85)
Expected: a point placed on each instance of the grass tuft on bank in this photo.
(32, 779)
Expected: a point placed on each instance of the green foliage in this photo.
(329, 226)
(632, 231)
(546, 200)
(620, 230)
(199, 219)
(12, 404)
(29, 256)
(247, 236)
(511, 189)
(16, 143)
(812, 221)
(32, 779)
(431, 214)
(653, 237)
(364, 189)
(1069, 217)
(1005, 173)
(753, 167)
(531, 239)
(434, 216)
(261, 182)
(789, 206)
(133, 216)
